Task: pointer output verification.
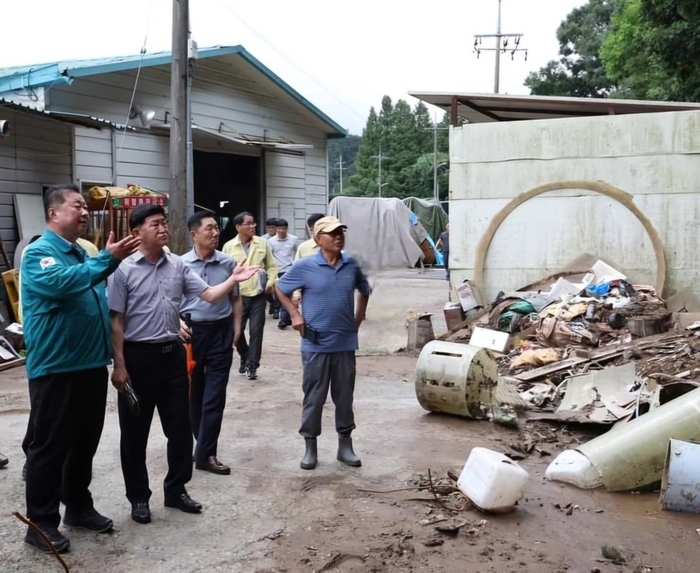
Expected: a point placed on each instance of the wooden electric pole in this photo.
(179, 121)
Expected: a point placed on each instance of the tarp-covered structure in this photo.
(380, 232)
(431, 216)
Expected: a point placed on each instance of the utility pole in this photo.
(179, 122)
(499, 48)
(435, 130)
(340, 171)
(381, 158)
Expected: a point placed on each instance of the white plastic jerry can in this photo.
(492, 481)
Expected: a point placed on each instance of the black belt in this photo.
(212, 323)
(163, 347)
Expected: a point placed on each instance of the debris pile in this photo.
(555, 341)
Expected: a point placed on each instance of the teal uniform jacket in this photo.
(66, 319)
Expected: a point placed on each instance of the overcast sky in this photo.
(343, 56)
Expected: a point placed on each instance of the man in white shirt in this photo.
(284, 248)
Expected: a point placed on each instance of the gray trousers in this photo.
(321, 371)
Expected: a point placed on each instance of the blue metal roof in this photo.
(84, 120)
(20, 77)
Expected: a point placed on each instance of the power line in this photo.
(136, 83)
(290, 61)
(499, 49)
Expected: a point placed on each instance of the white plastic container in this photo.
(492, 481)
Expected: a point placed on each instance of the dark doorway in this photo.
(220, 177)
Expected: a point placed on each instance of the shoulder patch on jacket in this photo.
(47, 262)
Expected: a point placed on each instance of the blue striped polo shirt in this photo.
(328, 299)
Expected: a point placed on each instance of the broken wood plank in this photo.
(550, 369)
(12, 364)
(601, 354)
(464, 324)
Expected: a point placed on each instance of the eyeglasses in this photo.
(253, 224)
(333, 233)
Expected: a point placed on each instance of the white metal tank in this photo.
(456, 379)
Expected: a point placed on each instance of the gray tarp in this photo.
(380, 234)
(431, 216)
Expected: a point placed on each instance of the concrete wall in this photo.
(653, 157)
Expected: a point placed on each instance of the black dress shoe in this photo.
(275, 316)
(3, 460)
(242, 368)
(183, 502)
(140, 512)
(89, 519)
(60, 543)
(214, 466)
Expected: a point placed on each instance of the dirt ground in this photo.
(271, 516)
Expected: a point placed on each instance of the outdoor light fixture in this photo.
(4, 128)
(145, 115)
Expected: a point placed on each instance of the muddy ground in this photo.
(271, 516)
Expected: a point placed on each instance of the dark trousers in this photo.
(253, 312)
(29, 434)
(66, 421)
(158, 374)
(278, 307)
(321, 371)
(446, 256)
(212, 349)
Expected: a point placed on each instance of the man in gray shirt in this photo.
(284, 248)
(145, 295)
(213, 330)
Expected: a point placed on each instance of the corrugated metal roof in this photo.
(74, 118)
(21, 77)
(482, 108)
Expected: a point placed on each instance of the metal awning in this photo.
(82, 120)
(236, 137)
(228, 134)
(483, 108)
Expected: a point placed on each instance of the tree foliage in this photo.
(642, 49)
(404, 137)
(653, 50)
(579, 72)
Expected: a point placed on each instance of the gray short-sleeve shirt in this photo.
(215, 270)
(150, 295)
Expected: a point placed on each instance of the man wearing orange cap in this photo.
(328, 326)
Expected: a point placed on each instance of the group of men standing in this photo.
(137, 303)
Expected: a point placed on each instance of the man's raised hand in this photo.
(122, 249)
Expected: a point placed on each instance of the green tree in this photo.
(424, 125)
(363, 181)
(405, 136)
(579, 72)
(653, 50)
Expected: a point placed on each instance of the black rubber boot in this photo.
(346, 453)
(311, 456)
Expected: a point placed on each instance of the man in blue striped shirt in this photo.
(328, 326)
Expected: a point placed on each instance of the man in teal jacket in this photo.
(67, 333)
